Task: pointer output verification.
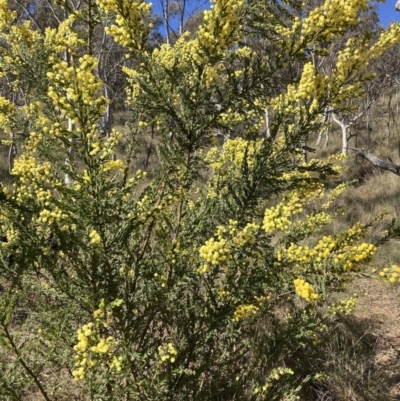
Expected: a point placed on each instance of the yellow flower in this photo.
(94, 237)
(305, 290)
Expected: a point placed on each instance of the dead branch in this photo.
(385, 165)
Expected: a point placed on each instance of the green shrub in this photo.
(186, 286)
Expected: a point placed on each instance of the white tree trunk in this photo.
(344, 127)
(326, 138)
(320, 135)
(344, 139)
(325, 131)
(267, 131)
(12, 153)
(67, 177)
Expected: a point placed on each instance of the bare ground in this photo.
(381, 306)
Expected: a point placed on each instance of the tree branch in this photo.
(385, 165)
(31, 17)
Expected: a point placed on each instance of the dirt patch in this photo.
(382, 305)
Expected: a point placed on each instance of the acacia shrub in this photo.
(162, 288)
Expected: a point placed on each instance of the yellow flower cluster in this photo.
(134, 78)
(285, 102)
(183, 58)
(311, 83)
(23, 34)
(335, 248)
(210, 76)
(332, 18)
(33, 175)
(11, 235)
(244, 311)
(351, 58)
(130, 29)
(27, 168)
(146, 212)
(218, 252)
(215, 252)
(305, 290)
(223, 293)
(95, 237)
(333, 160)
(113, 165)
(334, 194)
(92, 348)
(349, 76)
(310, 224)
(22, 43)
(7, 16)
(221, 26)
(63, 37)
(127, 193)
(296, 254)
(167, 353)
(76, 87)
(233, 152)
(390, 274)
(277, 217)
(232, 117)
(353, 233)
(352, 61)
(116, 363)
(103, 345)
(387, 39)
(352, 257)
(185, 55)
(312, 87)
(163, 279)
(52, 216)
(247, 236)
(108, 148)
(105, 148)
(7, 111)
(344, 307)
(275, 375)
(103, 315)
(347, 80)
(323, 23)
(81, 359)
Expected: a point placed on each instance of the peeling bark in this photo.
(384, 165)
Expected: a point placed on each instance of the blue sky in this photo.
(387, 13)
